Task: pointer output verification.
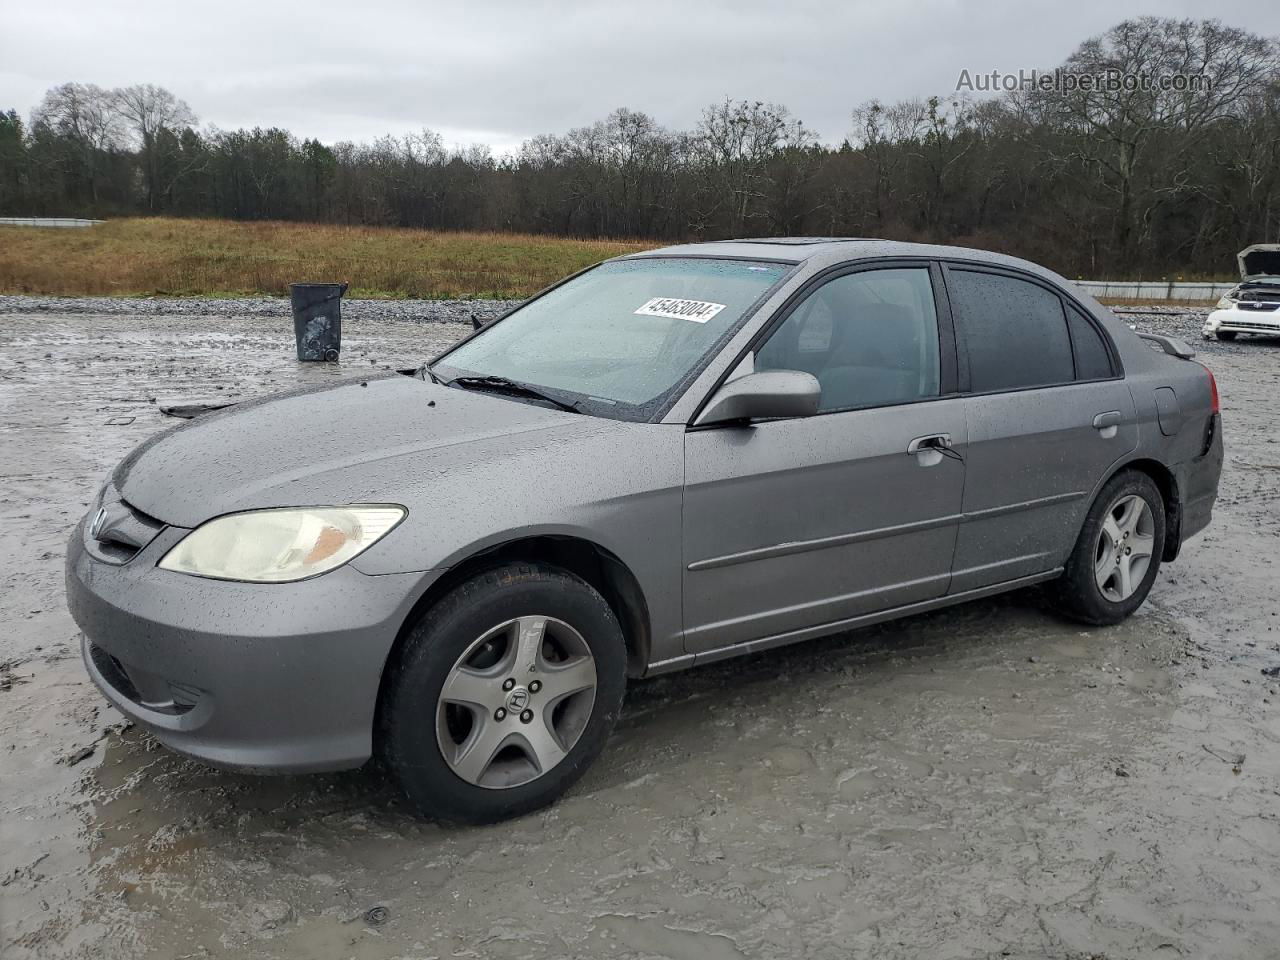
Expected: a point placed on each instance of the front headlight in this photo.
(277, 546)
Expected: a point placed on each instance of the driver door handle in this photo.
(934, 441)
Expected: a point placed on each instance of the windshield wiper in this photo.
(503, 385)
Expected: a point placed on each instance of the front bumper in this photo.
(259, 677)
(1242, 321)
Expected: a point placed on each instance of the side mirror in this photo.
(773, 393)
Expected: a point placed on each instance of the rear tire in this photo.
(1117, 555)
(503, 694)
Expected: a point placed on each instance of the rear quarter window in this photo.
(1014, 331)
(1093, 361)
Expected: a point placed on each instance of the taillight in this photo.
(1213, 390)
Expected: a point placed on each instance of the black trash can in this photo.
(317, 319)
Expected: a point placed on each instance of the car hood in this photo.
(1260, 262)
(346, 443)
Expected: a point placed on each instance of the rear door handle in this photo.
(934, 441)
(1111, 418)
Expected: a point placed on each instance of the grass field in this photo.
(226, 258)
(169, 257)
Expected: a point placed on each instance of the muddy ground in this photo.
(984, 781)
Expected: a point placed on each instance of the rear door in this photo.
(1049, 414)
(793, 524)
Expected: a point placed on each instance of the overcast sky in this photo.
(498, 72)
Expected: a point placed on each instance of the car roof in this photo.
(826, 251)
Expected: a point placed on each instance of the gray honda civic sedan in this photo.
(667, 459)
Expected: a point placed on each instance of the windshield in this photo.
(621, 337)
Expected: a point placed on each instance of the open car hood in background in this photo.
(1259, 260)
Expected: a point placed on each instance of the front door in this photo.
(795, 524)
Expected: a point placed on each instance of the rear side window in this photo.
(1093, 362)
(1014, 331)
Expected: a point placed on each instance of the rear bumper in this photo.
(257, 677)
(1198, 485)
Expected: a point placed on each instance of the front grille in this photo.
(116, 532)
(1258, 305)
(1252, 328)
(116, 552)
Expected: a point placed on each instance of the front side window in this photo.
(871, 339)
(1014, 331)
(621, 338)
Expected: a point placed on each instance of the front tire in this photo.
(503, 694)
(1226, 334)
(1117, 555)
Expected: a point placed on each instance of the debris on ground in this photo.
(79, 755)
(1236, 760)
(188, 411)
(24, 873)
(9, 679)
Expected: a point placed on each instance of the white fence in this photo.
(1154, 289)
(46, 222)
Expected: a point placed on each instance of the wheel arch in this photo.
(1167, 483)
(599, 567)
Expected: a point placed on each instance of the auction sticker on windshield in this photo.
(699, 311)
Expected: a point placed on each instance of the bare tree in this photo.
(735, 140)
(87, 117)
(941, 143)
(1120, 121)
(148, 109)
(878, 130)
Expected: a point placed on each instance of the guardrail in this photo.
(47, 222)
(1154, 289)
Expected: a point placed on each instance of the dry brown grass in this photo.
(158, 256)
(225, 258)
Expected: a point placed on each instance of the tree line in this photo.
(1132, 178)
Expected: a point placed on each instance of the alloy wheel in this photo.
(516, 702)
(1122, 555)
